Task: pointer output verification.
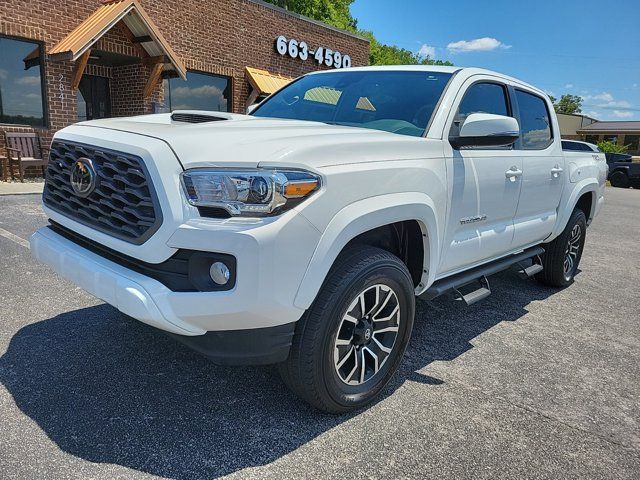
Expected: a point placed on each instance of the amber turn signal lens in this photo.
(299, 189)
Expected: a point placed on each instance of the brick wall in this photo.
(221, 37)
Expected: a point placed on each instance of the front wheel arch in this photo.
(361, 217)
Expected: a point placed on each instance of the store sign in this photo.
(321, 55)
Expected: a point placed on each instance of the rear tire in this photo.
(562, 256)
(345, 349)
(619, 179)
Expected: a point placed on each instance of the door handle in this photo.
(513, 173)
(556, 171)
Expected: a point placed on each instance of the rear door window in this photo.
(575, 146)
(535, 121)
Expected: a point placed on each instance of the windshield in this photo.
(400, 102)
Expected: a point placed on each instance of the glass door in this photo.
(94, 98)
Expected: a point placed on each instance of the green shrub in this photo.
(608, 146)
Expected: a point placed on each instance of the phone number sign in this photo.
(322, 55)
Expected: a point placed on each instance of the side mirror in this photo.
(486, 130)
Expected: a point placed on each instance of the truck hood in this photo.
(246, 141)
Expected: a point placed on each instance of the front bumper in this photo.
(151, 302)
(257, 301)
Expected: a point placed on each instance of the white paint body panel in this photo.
(369, 179)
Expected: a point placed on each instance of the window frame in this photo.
(511, 112)
(209, 74)
(43, 83)
(519, 143)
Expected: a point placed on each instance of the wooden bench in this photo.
(24, 151)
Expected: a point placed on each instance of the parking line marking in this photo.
(14, 238)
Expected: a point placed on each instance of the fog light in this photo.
(219, 273)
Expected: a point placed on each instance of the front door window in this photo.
(94, 99)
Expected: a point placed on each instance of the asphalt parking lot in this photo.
(530, 383)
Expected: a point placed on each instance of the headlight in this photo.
(248, 192)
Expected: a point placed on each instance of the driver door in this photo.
(484, 184)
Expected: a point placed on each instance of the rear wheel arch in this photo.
(587, 203)
(583, 196)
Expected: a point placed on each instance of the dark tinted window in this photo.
(575, 146)
(393, 101)
(591, 139)
(200, 91)
(481, 98)
(20, 83)
(535, 122)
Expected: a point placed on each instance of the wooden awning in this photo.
(144, 31)
(265, 83)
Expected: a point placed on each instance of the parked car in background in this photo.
(303, 233)
(623, 172)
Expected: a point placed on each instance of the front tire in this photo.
(562, 256)
(350, 342)
(619, 179)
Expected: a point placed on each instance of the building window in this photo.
(200, 91)
(633, 142)
(591, 139)
(610, 138)
(21, 89)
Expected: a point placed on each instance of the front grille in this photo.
(122, 204)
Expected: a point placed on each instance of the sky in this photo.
(587, 48)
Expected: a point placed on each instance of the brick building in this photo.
(71, 60)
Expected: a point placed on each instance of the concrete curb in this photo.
(21, 188)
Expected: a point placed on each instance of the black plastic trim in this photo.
(259, 346)
(483, 141)
(185, 271)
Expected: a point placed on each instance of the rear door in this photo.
(484, 183)
(544, 169)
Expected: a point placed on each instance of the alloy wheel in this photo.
(572, 251)
(367, 334)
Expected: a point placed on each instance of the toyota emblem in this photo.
(83, 177)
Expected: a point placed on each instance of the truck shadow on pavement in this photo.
(108, 389)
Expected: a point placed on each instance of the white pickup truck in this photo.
(302, 234)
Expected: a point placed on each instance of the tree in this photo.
(338, 14)
(333, 12)
(567, 103)
(381, 54)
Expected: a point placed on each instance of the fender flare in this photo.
(588, 185)
(365, 215)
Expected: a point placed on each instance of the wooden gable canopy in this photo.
(78, 43)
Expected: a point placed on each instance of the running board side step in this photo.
(479, 274)
(480, 293)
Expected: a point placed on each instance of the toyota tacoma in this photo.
(302, 234)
